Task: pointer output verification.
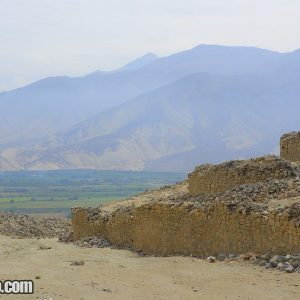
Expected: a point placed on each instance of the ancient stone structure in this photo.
(172, 229)
(234, 207)
(290, 146)
(209, 179)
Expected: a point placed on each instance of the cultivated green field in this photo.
(55, 192)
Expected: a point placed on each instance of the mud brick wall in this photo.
(209, 179)
(116, 227)
(167, 229)
(290, 146)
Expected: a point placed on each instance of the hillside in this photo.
(56, 103)
(207, 104)
(175, 127)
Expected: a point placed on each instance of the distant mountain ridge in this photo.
(140, 62)
(56, 103)
(207, 104)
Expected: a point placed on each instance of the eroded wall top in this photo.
(210, 179)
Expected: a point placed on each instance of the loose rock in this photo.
(211, 259)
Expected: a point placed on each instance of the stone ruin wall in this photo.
(210, 179)
(220, 227)
(290, 146)
(170, 229)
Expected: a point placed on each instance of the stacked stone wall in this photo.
(170, 229)
(290, 146)
(192, 226)
(210, 179)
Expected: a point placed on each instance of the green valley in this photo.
(55, 192)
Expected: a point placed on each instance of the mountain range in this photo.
(208, 104)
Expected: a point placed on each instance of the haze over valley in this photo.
(207, 104)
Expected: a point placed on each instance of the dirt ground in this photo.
(120, 274)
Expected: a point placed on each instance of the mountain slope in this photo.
(140, 62)
(54, 104)
(199, 118)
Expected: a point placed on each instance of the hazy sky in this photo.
(39, 38)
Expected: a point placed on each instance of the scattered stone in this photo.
(93, 241)
(279, 266)
(262, 263)
(245, 256)
(66, 237)
(287, 268)
(256, 261)
(211, 259)
(222, 257)
(140, 252)
(295, 263)
(277, 258)
(37, 277)
(268, 265)
(288, 257)
(273, 264)
(77, 263)
(44, 247)
(266, 256)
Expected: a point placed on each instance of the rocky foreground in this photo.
(23, 226)
(286, 263)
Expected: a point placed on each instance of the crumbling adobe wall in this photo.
(185, 229)
(209, 179)
(290, 146)
(116, 227)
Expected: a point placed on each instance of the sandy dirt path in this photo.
(120, 274)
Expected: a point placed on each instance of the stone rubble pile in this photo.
(286, 263)
(23, 226)
(93, 242)
(66, 237)
(251, 196)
